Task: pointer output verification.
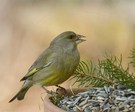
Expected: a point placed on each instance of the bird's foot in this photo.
(61, 91)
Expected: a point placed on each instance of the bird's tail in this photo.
(20, 95)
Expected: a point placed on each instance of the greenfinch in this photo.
(55, 65)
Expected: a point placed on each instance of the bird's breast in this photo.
(69, 61)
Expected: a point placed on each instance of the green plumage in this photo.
(55, 65)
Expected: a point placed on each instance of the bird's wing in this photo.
(42, 61)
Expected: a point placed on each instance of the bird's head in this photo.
(68, 38)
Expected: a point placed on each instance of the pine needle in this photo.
(109, 71)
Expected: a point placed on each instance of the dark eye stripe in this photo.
(71, 37)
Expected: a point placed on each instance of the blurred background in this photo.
(28, 26)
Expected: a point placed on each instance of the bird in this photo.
(55, 65)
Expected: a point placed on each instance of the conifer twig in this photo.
(132, 56)
(109, 71)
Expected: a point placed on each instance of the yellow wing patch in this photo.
(33, 71)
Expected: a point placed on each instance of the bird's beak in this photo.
(80, 39)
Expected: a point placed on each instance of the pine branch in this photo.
(132, 56)
(112, 67)
(108, 72)
(88, 74)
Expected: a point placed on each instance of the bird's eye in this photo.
(71, 37)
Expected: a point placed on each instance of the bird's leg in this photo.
(49, 92)
(60, 90)
(45, 89)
